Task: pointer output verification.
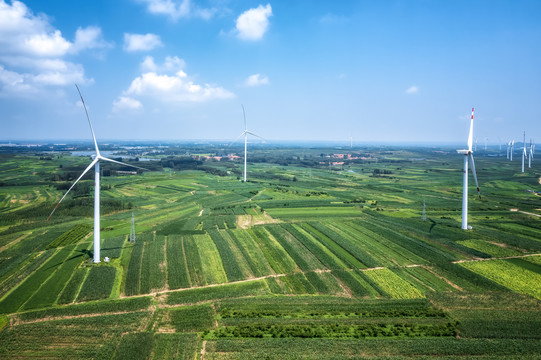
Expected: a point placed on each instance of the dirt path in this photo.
(203, 349)
(250, 199)
(528, 213)
(15, 241)
(499, 258)
(443, 278)
(15, 320)
(214, 285)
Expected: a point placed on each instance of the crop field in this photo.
(306, 260)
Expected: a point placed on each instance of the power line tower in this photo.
(423, 216)
(132, 230)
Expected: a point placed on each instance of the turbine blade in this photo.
(121, 163)
(244, 113)
(241, 135)
(251, 133)
(470, 136)
(89, 123)
(71, 187)
(474, 174)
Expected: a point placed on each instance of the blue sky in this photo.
(393, 71)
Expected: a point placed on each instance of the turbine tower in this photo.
(96, 163)
(245, 134)
(468, 153)
(511, 150)
(531, 154)
(132, 230)
(524, 153)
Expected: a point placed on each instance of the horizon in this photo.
(227, 143)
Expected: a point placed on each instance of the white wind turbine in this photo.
(468, 153)
(245, 134)
(524, 153)
(511, 150)
(531, 154)
(96, 163)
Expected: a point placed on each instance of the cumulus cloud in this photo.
(412, 90)
(253, 23)
(175, 88)
(126, 103)
(256, 80)
(167, 82)
(138, 42)
(171, 64)
(90, 37)
(175, 9)
(32, 51)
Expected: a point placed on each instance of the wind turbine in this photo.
(531, 154)
(524, 153)
(511, 150)
(468, 153)
(96, 163)
(245, 134)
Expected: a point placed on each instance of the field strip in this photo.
(213, 285)
(15, 241)
(496, 258)
(16, 321)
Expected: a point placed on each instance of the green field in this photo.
(303, 261)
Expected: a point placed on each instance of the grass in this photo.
(508, 274)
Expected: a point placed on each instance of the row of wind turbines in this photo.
(525, 154)
(468, 157)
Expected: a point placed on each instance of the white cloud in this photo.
(252, 24)
(44, 44)
(90, 37)
(256, 80)
(137, 42)
(126, 103)
(412, 90)
(32, 51)
(168, 82)
(176, 88)
(171, 64)
(177, 9)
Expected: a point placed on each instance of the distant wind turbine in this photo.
(468, 153)
(511, 150)
(531, 154)
(245, 134)
(96, 163)
(524, 153)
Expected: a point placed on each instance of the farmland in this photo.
(305, 260)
